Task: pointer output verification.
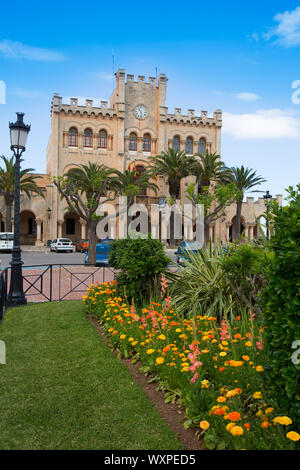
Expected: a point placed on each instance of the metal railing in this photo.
(54, 282)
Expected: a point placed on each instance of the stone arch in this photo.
(71, 227)
(232, 230)
(28, 229)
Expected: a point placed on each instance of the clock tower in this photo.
(142, 102)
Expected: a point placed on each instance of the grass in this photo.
(62, 388)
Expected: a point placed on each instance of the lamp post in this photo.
(18, 137)
(267, 197)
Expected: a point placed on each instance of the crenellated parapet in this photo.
(192, 119)
(90, 108)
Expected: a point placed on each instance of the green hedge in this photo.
(281, 306)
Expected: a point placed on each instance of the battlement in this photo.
(140, 79)
(192, 117)
(80, 105)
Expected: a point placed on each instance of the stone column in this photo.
(59, 228)
(83, 229)
(251, 232)
(38, 232)
(228, 225)
(246, 230)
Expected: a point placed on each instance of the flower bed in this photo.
(214, 370)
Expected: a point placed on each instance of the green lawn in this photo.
(61, 388)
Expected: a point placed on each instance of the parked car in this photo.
(62, 244)
(102, 251)
(185, 248)
(6, 241)
(81, 245)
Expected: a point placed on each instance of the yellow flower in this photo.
(160, 360)
(248, 344)
(293, 436)
(246, 358)
(122, 336)
(130, 340)
(204, 425)
(284, 420)
(150, 351)
(269, 410)
(259, 369)
(223, 354)
(221, 399)
(230, 426)
(237, 431)
(257, 395)
(162, 337)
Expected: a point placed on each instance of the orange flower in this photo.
(265, 424)
(234, 416)
(247, 426)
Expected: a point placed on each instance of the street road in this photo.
(32, 258)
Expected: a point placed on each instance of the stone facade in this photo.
(134, 125)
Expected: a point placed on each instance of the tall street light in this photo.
(267, 197)
(18, 137)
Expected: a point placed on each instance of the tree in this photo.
(208, 168)
(215, 187)
(82, 187)
(173, 165)
(130, 183)
(7, 186)
(245, 179)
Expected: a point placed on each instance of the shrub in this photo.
(141, 263)
(202, 285)
(245, 268)
(281, 306)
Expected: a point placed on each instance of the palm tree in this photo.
(173, 165)
(208, 168)
(82, 187)
(131, 183)
(7, 186)
(244, 179)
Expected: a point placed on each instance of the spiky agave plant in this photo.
(201, 286)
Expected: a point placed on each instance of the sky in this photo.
(241, 57)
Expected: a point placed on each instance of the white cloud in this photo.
(246, 96)
(287, 32)
(18, 50)
(263, 124)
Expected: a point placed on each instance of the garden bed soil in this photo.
(173, 415)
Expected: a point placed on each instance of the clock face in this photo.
(140, 112)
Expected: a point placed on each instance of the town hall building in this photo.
(134, 125)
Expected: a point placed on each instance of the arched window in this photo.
(133, 142)
(176, 143)
(73, 137)
(88, 138)
(139, 171)
(147, 143)
(202, 146)
(102, 144)
(189, 147)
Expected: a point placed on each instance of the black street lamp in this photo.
(267, 197)
(18, 137)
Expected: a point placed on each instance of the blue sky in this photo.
(240, 57)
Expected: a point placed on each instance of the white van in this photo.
(6, 241)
